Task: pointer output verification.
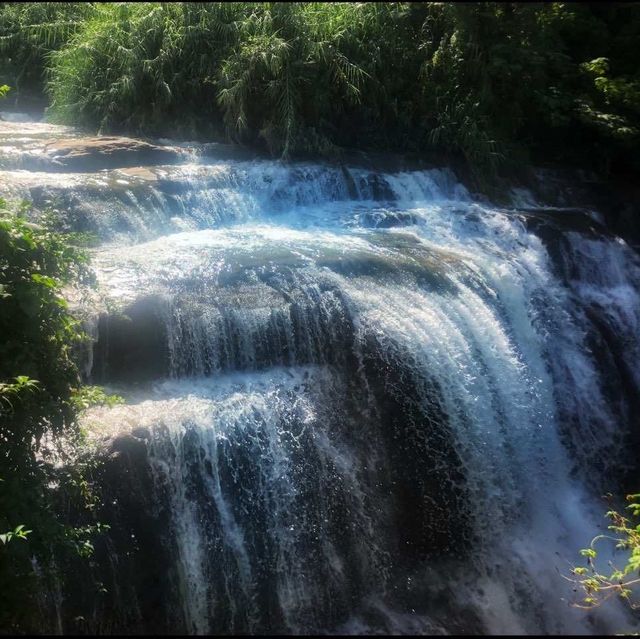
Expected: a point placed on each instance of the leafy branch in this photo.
(17, 533)
(597, 586)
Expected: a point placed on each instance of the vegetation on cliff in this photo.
(490, 85)
(598, 584)
(46, 501)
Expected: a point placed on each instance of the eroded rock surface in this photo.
(95, 153)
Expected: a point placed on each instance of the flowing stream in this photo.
(358, 401)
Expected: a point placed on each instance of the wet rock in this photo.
(140, 172)
(424, 475)
(133, 559)
(616, 199)
(385, 219)
(132, 346)
(95, 153)
(141, 433)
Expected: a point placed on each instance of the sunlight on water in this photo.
(380, 405)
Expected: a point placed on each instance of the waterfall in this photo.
(357, 400)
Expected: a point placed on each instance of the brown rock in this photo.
(95, 153)
(140, 172)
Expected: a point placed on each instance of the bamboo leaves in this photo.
(486, 84)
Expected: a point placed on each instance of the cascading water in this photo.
(357, 401)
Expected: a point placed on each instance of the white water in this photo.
(296, 302)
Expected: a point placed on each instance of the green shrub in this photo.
(28, 32)
(493, 85)
(43, 470)
(620, 581)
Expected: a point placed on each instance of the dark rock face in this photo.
(132, 346)
(424, 474)
(93, 154)
(411, 511)
(618, 200)
(621, 389)
(130, 583)
(141, 571)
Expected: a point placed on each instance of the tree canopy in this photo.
(491, 84)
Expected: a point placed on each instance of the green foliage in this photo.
(133, 66)
(22, 383)
(87, 396)
(17, 533)
(615, 102)
(37, 329)
(44, 471)
(597, 587)
(30, 30)
(284, 75)
(493, 85)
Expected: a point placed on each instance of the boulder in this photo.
(104, 152)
